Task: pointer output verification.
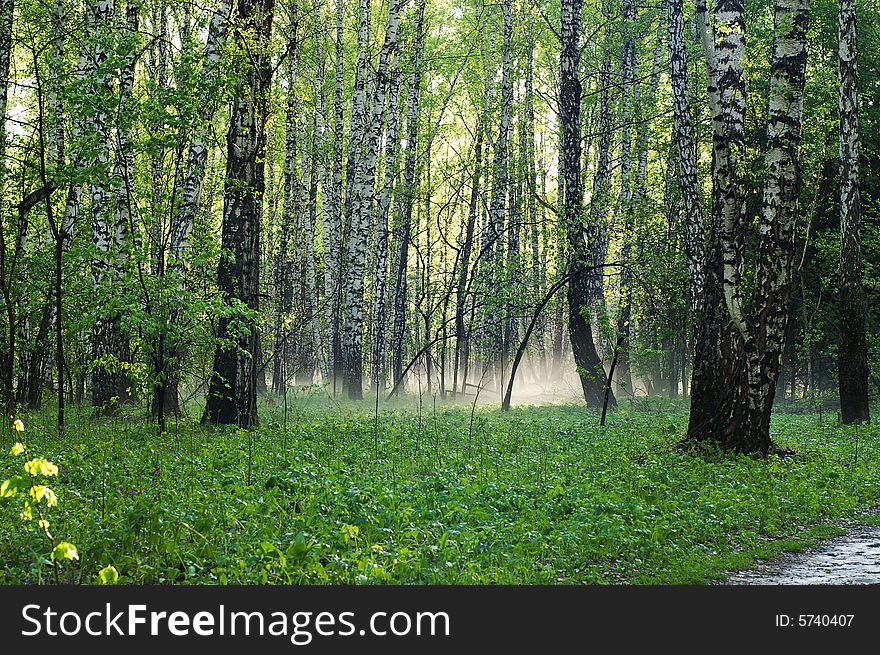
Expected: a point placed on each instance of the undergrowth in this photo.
(432, 495)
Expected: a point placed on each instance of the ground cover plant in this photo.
(433, 494)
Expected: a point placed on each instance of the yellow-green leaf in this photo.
(39, 492)
(41, 466)
(63, 551)
(108, 575)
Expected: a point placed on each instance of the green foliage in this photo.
(108, 575)
(539, 495)
(34, 496)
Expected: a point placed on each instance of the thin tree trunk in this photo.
(460, 358)
(406, 199)
(497, 210)
(380, 307)
(284, 266)
(333, 231)
(853, 352)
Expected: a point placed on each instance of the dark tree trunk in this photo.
(580, 333)
(852, 365)
(232, 395)
(742, 378)
(189, 190)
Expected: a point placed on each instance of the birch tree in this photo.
(109, 384)
(733, 388)
(497, 207)
(189, 190)
(333, 232)
(380, 307)
(407, 194)
(684, 147)
(362, 192)
(579, 261)
(852, 369)
(232, 394)
(7, 355)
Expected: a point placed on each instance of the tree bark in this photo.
(109, 383)
(406, 200)
(362, 192)
(380, 306)
(232, 394)
(685, 149)
(741, 420)
(589, 366)
(333, 230)
(189, 191)
(852, 363)
(284, 262)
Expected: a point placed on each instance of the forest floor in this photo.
(426, 492)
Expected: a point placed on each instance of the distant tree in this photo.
(852, 363)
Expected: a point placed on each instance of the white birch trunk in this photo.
(361, 210)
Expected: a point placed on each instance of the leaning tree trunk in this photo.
(232, 395)
(852, 362)
(579, 261)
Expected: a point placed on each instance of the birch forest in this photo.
(436, 237)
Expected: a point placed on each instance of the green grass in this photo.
(540, 495)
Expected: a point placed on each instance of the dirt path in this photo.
(853, 558)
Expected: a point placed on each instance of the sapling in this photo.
(37, 498)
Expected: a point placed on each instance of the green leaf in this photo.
(8, 488)
(40, 465)
(108, 575)
(64, 551)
